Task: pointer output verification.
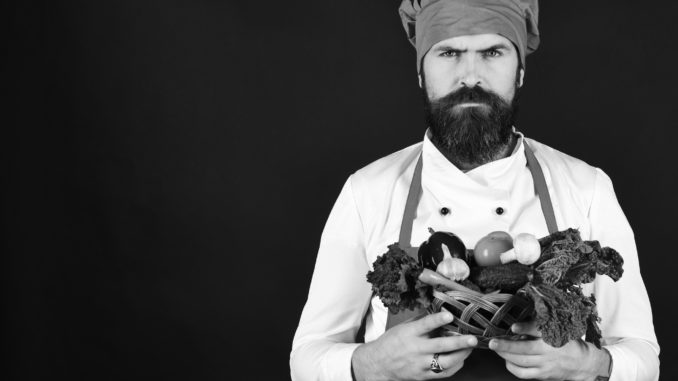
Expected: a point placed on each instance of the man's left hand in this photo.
(534, 359)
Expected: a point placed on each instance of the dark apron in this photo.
(482, 364)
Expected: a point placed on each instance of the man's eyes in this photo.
(491, 53)
(450, 53)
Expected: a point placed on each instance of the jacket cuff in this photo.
(623, 368)
(337, 362)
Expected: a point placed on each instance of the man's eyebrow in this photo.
(498, 46)
(440, 48)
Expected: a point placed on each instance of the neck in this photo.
(464, 166)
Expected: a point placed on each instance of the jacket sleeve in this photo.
(623, 306)
(338, 298)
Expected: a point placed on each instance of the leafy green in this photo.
(566, 260)
(560, 316)
(562, 311)
(395, 279)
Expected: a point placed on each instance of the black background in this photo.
(169, 165)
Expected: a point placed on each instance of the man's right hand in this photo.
(405, 351)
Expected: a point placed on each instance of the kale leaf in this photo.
(561, 315)
(395, 279)
(562, 311)
(610, 263)
(552, 270)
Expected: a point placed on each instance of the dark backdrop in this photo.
(169, 165)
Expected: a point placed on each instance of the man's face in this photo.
(489, 61)
(469, 86)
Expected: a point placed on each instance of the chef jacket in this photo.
(497, 196)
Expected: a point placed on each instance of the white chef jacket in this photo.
(366, 218)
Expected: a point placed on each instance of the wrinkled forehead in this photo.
(475, 42)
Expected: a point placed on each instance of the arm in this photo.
(338, 298)
(624, 306)
(324, 346)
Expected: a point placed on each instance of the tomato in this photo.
(487, 250)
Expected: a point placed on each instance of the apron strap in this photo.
(541, 189)
(405, 238)
(410, 212)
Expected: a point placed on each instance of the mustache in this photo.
(475, 94)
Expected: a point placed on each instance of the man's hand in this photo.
(405, 351)
(534, 359)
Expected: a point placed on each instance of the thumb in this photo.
(430, 322)
(526, 328)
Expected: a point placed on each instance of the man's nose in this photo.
(470, 76)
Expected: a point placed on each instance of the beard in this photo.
(471, 134)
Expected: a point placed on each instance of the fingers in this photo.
(431, 322)
(452, 351)
(526, 328)
(520, 372)
(524, 361)
(450, 362)
(448, 369)
(452, 359)
(451, 343)
(520, 347)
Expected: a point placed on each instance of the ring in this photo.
(435, 365)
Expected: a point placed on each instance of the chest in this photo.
(472, 213)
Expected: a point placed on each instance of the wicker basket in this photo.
(485, 316)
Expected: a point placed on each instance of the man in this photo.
(474, 175)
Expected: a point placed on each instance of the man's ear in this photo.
(521, 75)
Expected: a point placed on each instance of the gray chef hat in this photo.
(428, 22)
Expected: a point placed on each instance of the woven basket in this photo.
(485, 316)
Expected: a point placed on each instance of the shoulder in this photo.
(381, 187)
(570, 178)
(387, 170)
(561, 164)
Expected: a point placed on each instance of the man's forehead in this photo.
(475, 42)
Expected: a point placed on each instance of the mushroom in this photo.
(526, 250)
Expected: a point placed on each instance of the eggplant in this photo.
(431, 252)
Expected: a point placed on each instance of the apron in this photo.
(481, 364)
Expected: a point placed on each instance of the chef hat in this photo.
(428, 22)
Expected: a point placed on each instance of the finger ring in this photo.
(435, 365)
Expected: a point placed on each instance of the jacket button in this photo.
(499, 210)
(444, 211)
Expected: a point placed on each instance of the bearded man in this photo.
(474, 173)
